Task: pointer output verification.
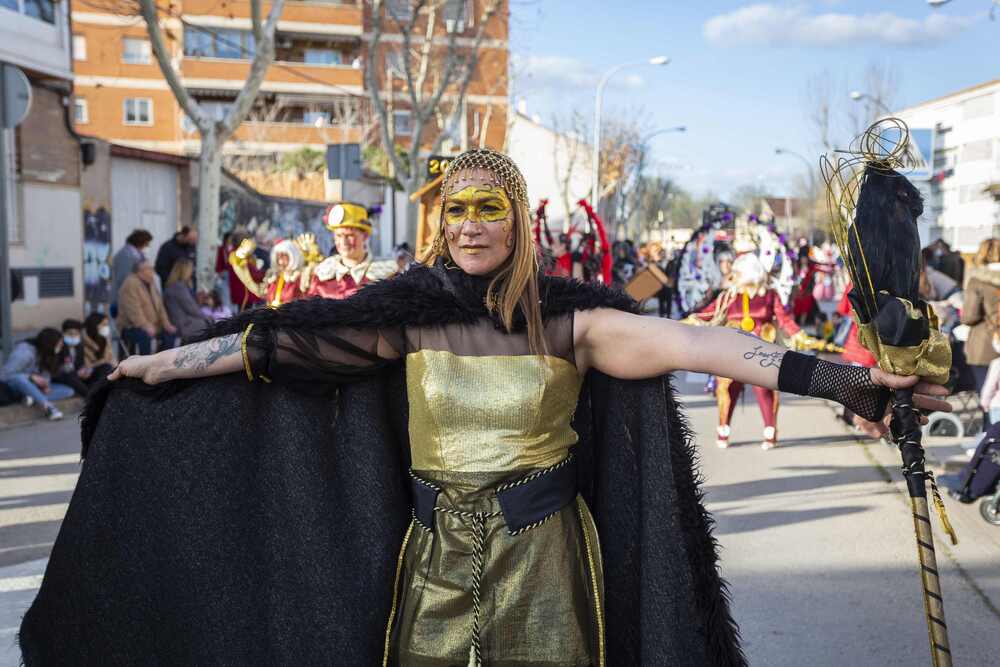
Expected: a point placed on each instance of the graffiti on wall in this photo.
(96, 259)
(270, 219)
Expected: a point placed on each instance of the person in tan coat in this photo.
(141, 315)
(979, 310)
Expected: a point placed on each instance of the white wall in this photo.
(53, 237)
(970, 145)
(540, 155)
(143, 194)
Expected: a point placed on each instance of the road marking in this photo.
(59, 459)
(28, 583)
(32, 514)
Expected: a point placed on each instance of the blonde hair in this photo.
(181, 272)
(988, 253)
(515, 283)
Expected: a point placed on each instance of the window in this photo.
(136, 51)
(977, 150)
(401, 10)
(402, 123)
(218, 43)
(316, 118)
(322, 57)
(43, 10)
(79, 47)
(80, 114)
(138, 111)
(457, 15)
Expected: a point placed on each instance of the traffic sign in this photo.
(16, 96)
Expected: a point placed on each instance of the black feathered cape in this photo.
(222, 522)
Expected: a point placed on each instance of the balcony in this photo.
(328, 16)
(226, 74)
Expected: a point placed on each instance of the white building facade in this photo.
(959, 206)
(556, 166)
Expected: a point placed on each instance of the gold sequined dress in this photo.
(484, 411)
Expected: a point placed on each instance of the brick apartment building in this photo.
(312, 96)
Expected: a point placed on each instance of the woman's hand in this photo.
(142, 367)
(926, 396)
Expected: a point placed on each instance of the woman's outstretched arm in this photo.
(632, 347)
(216, 356)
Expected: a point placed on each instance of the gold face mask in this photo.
(477, 204)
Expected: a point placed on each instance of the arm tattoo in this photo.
(748, 334)
(199, 356)
(765, 359)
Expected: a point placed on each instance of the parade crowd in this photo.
(798, 294)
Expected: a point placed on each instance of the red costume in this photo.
(854, 352)
(239, 295)
(333, 279)
(757, 314)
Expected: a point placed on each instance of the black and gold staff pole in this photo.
(873, 217)
(905, 427)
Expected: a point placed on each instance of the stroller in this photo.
(979, 480)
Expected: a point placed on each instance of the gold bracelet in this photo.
(246, 359)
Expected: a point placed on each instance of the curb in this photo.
(19, 414)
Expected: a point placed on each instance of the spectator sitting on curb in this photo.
(97, 350)
(29, 368)
(72, 371)
(141, 314)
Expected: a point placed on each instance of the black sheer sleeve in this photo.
(325, 356)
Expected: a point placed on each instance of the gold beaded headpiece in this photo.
(498, 164)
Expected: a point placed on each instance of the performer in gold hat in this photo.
(341, 275)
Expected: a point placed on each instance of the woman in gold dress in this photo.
(502, 562)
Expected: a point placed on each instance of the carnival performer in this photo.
(293, 532)
(341, 275)
(283, 282)
(748, 304)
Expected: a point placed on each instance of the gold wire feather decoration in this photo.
(884, 146)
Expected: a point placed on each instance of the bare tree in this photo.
(436, 72)
(214, 133)
(821, 99)
(880, 86)
(570, 154)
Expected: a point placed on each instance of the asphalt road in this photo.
(816, 544)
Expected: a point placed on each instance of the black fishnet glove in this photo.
(851, 386)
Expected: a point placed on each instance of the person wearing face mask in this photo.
(98, 353)
(81, 368)
(341, 275)
(29, 369)
(407, 476)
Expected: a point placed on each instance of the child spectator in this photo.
(212, 306)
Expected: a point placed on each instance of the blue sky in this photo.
(740, 70)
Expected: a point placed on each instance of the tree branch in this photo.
(263, 57)
(164, 60)
(371, 83)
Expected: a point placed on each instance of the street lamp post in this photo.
(857, 96)
(595, 172)
(809, 170)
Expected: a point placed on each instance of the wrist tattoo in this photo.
(199, 356)
(765, 359)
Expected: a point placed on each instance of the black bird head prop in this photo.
(873, 216)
